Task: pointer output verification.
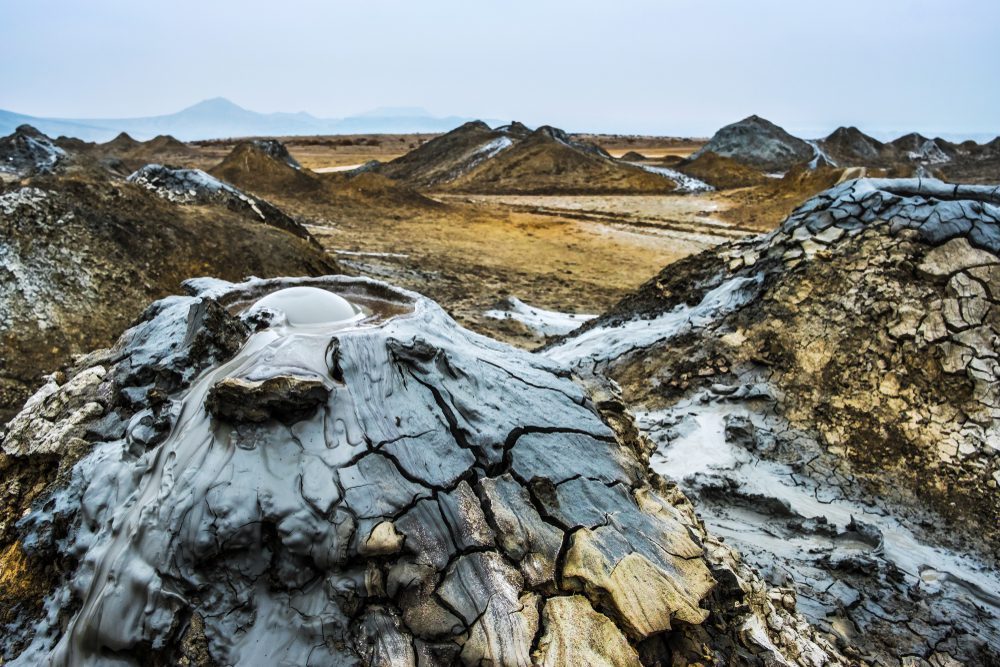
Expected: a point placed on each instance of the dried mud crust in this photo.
(456, 501)
(862, 363)
(878, 320)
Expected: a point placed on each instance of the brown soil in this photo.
(251, 169)
(467, 257)
(764, 206)
(721, 172)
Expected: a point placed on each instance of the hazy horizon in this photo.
(675, 68)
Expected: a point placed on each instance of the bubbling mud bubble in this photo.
(308, 305)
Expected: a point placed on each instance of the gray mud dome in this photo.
(382, 489)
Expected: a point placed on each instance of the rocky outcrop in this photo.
(828, 393)
(759, 143)
(287, 398)
(446, 500)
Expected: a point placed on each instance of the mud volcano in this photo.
(334, 472)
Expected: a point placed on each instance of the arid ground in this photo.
(577, 254)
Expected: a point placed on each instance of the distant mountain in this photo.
(219, 118)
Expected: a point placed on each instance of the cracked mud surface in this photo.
(851, 374)
(443, 499)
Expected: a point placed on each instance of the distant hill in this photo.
(219, 117)
(265, 167)
(445, 158)
(759, 143)
(512, 159)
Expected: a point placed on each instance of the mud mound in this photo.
(278, 151)
(80, 260)
(909, 142)
(984, 168)
(515, 129)
(265, 167)
(165, 144)
(914, 154)
(27, 151)
(193, 186)
(633, 156)
(549, 162)
(74, 145)
(854, 352)
(122, 144)
(376, 487)
(562, 137)
(721, 172)
(758, 143)
(917, 148)
(445, 158)
(849, 146)
(123, 155)
(511, 159)
(970, 162)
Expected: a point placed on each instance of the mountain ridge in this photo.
(219, 117)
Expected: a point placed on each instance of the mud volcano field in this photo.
(500, 396)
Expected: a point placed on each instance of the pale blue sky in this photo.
(667, 66)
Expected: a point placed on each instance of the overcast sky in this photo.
(656, 66)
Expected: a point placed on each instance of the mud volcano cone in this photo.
(334, 472)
